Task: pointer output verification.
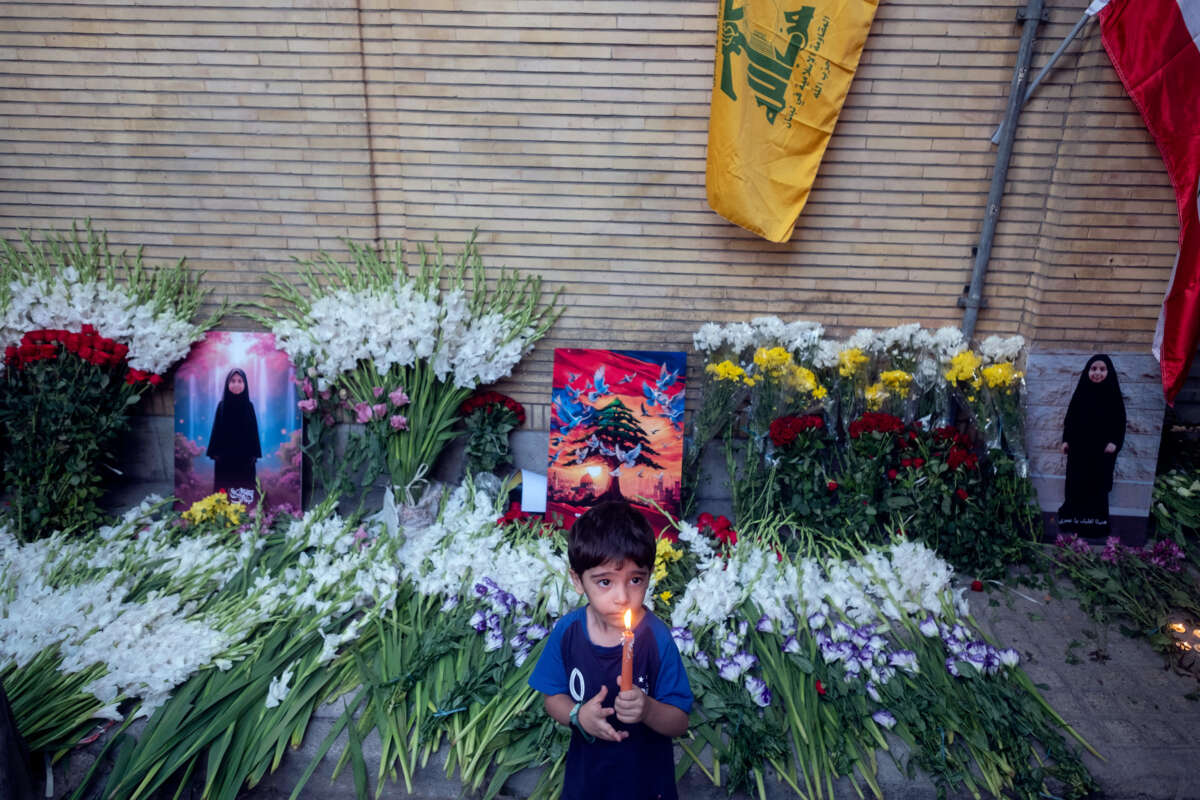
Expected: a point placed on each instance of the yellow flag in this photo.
(783, 68)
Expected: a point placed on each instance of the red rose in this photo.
(48, 350)
(705, 520)
(88, 330)
(976, 586)
(120, 351)
(918, 462)
(820, 688)
(721, 523)
(72, 342)
(961, 494)
(891, 473)
(10, 352)
(100, 358)
(832, 486)
(906, 462)
(86, 353)
(156, 380)
(131, 377)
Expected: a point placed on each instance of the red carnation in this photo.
(918, 462)
(961, 494)
(86, 353)
(977, 586)
(156, 380)
(705, 520)
(88, 330)
(48, 350)
(832, 486)
(906, 462)
(891, 473)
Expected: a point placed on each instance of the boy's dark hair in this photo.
(610, 531)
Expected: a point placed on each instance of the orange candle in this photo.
(627, 653)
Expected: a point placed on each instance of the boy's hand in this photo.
(593, 718)
(630, 706)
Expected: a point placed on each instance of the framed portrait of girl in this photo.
(237, 426)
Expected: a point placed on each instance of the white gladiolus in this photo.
(398, 327)
(156, 340)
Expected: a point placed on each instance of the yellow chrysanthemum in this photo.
(963, 367)
(876, 394)
(664, 553)
(1002, 376)
(897, 381)
(726, 371)
(850, 360)
(820, 392)
(773, 360)
(213, 507)
(803, 379)
(665, 597)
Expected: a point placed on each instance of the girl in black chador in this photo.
(1093, 433)
(233, 444)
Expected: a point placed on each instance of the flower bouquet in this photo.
(1003, 387)
(489, 418)
(430, 335)
(85, 333)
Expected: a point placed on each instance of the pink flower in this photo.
(362, 412)
(328, 420)
(307, 387)
(380, 410)
(325, 395)
(398, 422)
(307, 406)
(398, 397)
(377, 391)
(1112, 550)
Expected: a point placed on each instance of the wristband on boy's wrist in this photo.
(575, 722)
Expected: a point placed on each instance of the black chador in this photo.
(1093, 433)
(234, 445)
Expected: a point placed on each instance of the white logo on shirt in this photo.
(576, 691)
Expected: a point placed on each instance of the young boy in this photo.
(620, 741)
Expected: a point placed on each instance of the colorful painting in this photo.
(237, 426)
(616, 431)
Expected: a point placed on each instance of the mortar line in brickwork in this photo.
(366, 98)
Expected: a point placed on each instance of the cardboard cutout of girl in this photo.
(1093, 433)
(234, 444)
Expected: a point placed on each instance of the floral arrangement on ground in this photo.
(85, 333)
(897, 430)
(225, 629)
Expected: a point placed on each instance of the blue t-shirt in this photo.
(642, 767)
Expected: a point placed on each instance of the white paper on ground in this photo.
(533, 492)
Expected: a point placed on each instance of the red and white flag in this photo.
(1155, 47)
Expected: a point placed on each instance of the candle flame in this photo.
(628, 617)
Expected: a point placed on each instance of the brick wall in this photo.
(573, 136)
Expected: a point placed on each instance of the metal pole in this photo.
(1062, 48)
(1016, 95)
